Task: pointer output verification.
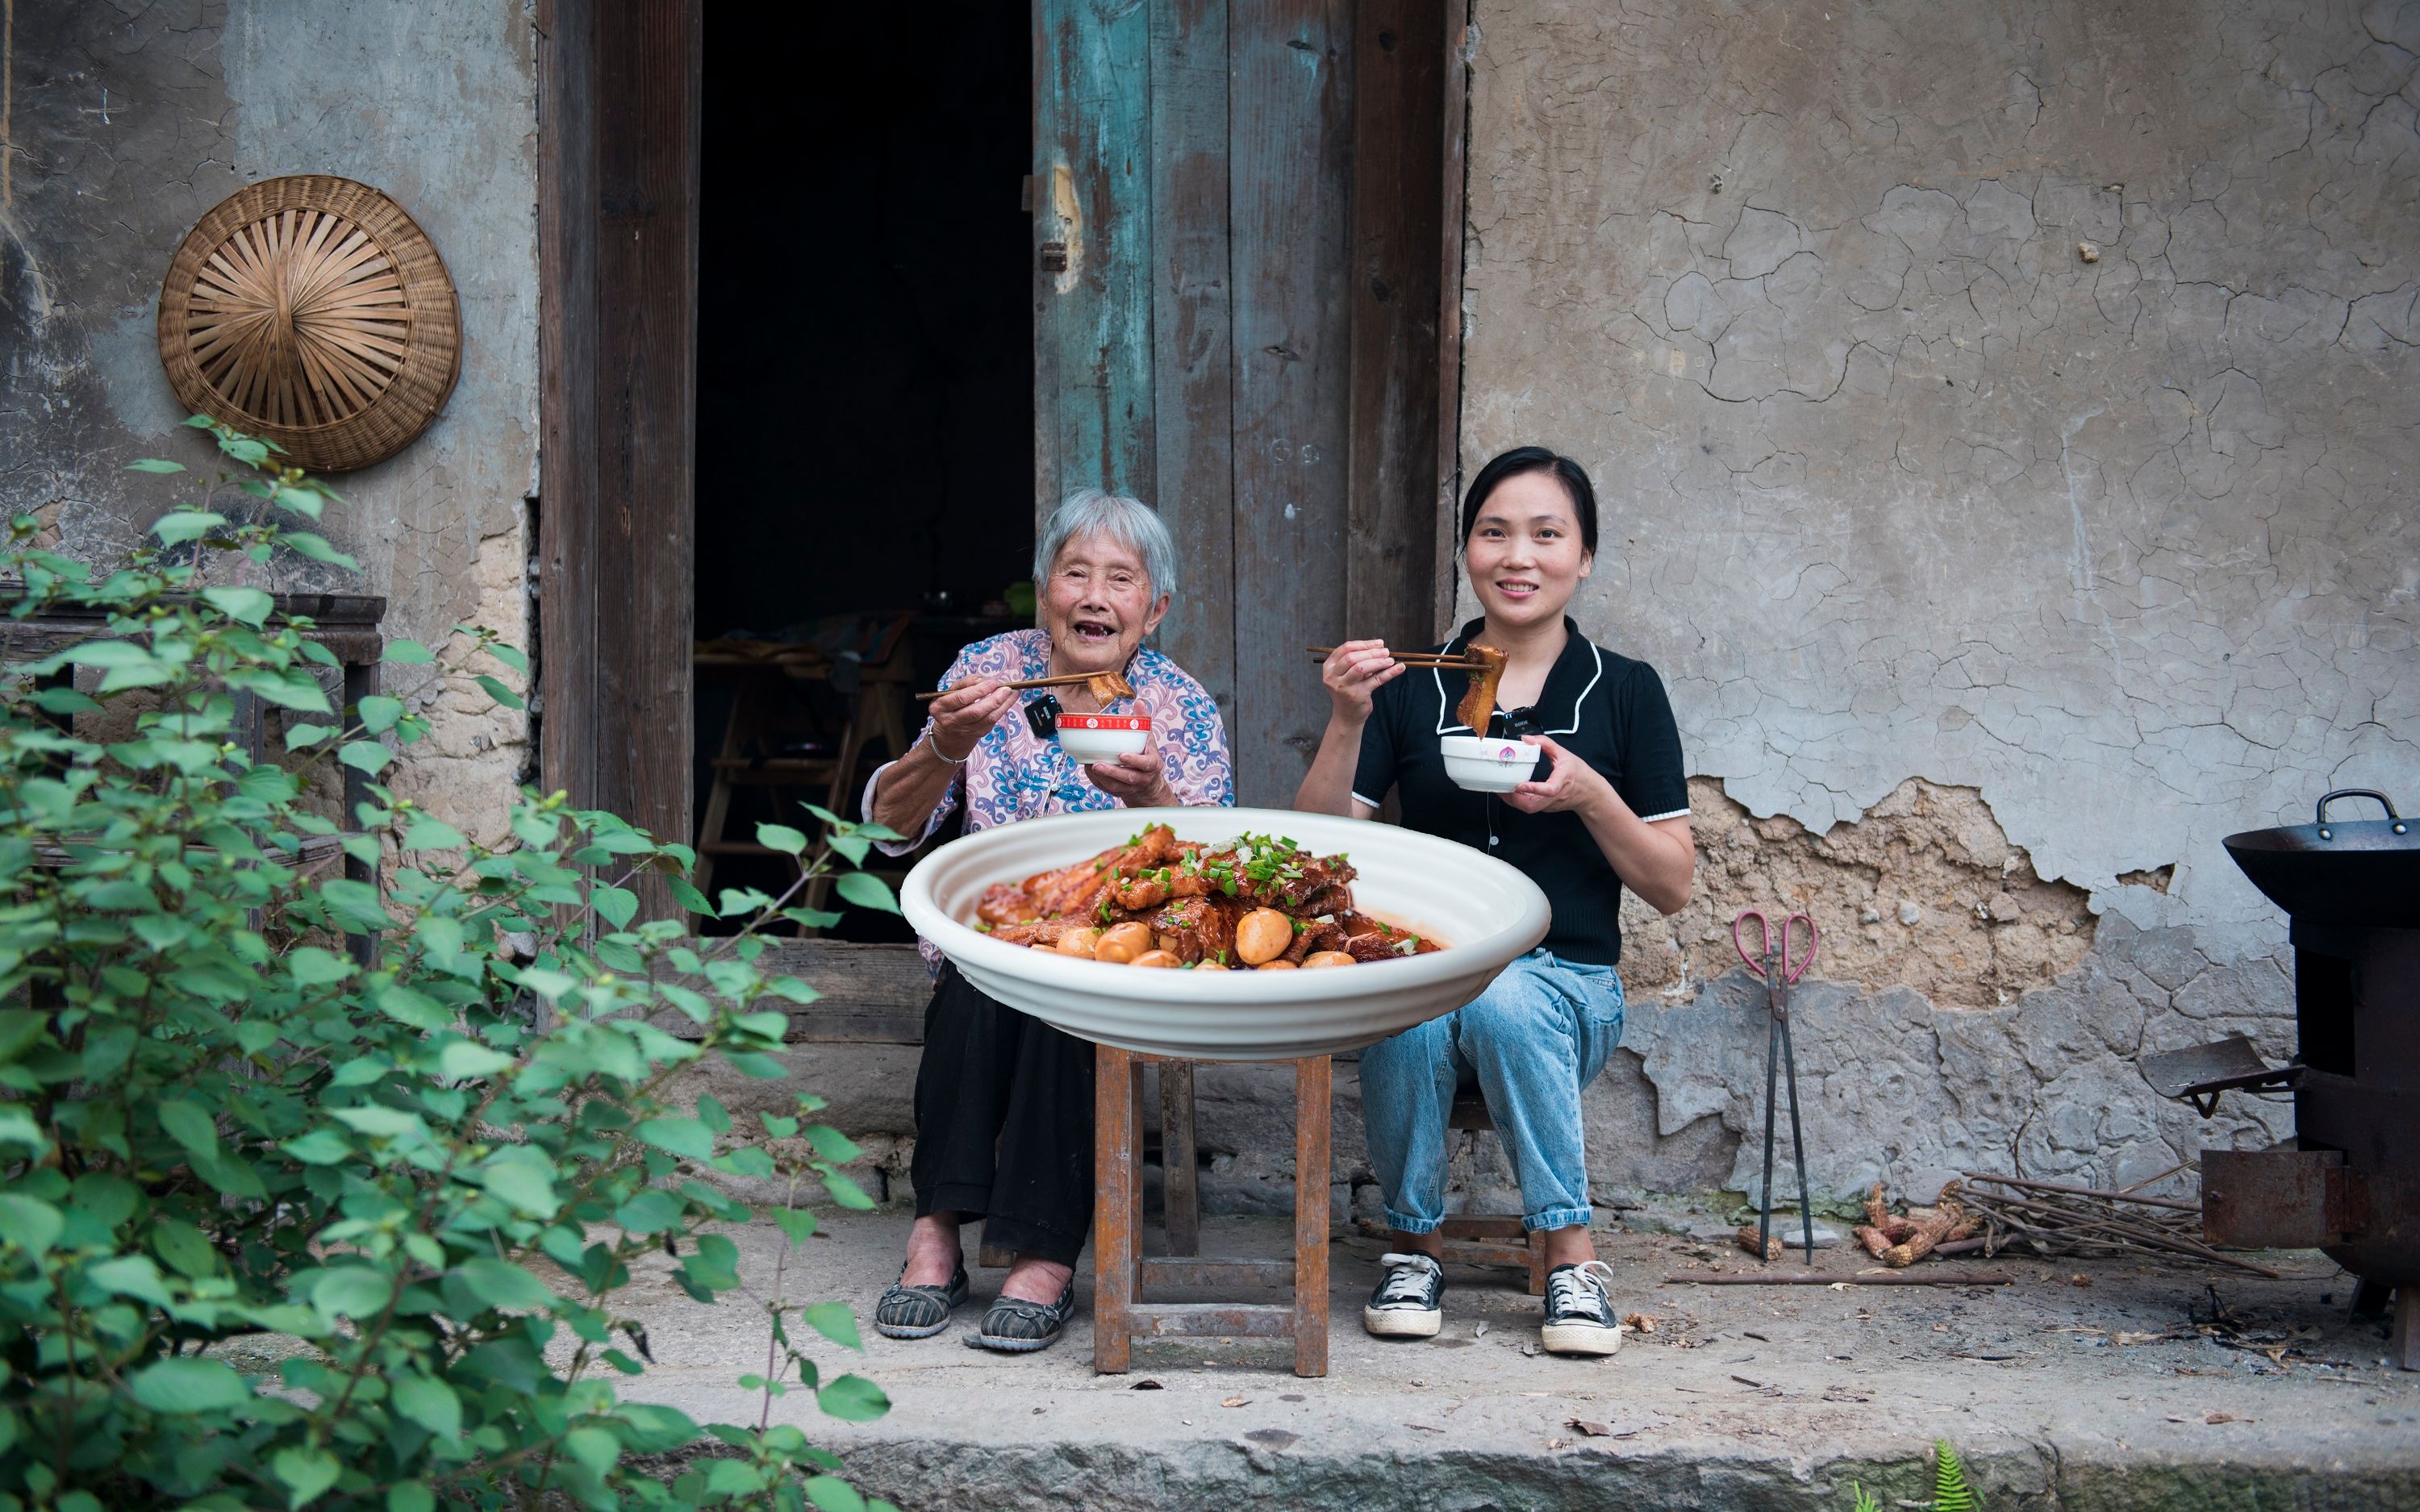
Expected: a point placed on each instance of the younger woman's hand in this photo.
(1354, 673)
(1569, 783)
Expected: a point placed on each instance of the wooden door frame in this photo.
(619, 167)
(618, 176)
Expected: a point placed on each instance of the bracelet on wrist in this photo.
(932, 742)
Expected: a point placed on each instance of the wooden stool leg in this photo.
(1117, 1162)
(1182, 1199)
(1537, 1240)
(1311, 1084)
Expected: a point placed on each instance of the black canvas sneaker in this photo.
(1405, 1304)
(1579, 1312)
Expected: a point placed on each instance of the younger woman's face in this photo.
(1523, 553)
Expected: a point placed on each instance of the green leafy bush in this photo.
(318, 1194)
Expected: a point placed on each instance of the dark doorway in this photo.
(865, 370)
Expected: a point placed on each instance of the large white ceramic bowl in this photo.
(1486, 911)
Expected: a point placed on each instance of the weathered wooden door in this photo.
(1238, 246)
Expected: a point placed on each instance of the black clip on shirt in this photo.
(1606, 708)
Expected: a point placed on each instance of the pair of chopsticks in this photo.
(1062, 680)
(1417, 658)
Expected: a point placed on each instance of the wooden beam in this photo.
(1191, 354)
(1398, 140)
(1092, 184)
(618, 223)
(1290, 150)
(1453, 193)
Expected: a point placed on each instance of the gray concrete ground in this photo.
(2147, 1387)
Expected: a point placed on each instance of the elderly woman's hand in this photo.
(1136, 779)
(1353, 672)
(965, 713)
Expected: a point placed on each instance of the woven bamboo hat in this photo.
(313, 311)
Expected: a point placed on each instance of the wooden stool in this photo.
(1470, 1239)
(1120, 1270)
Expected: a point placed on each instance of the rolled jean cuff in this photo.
(1403, 1225)
(1556, 1218)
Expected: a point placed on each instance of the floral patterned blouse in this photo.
(1013, 775)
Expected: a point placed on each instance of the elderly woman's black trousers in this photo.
(1004, 1123)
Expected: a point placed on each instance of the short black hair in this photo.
(1521, 460)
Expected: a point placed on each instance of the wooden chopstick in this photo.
(1416, 658)
(1065, 679)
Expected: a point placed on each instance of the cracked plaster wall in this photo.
(2005, 420)
(129, 121)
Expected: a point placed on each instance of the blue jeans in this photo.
(1537, 1034)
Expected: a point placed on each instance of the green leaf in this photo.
(846, 1193)
(834, 1321)
(245, 605)
(781, 838)
(131, 1275)
(314, 967)
(190, 1126)
(679, 1137)
(650, 1211)
(411, 1496)
(503, 1284)
(498, 691)
(427, 833)
(689, 897)
(179, 526)
(303, 543)
(153, 464)
(365, 756)
(300, 735)
(429, 1402)
(832, 1144)
(867, 890)
(320, 1146)
(186, 1248)
(357, 1291)
(378, 713)
(614, 906)
(306, 1473)
(381, 1123)
(595, 1448)
(830, 1493)
(509, 656)
(189, 1384)
(462, 1060)
(408, 652)
(31, 1225)
(853, 1399)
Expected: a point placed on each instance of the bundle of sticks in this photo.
(1899, 1241)
(2052, 1218)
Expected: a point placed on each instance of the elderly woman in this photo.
(1003, 1101)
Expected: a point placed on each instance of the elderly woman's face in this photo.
(1098, 604)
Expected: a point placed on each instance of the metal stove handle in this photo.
(2384, 802)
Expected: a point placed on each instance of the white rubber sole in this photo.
(1579, 1339)
(1402, 1323)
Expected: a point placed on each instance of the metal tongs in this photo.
(1772, 961)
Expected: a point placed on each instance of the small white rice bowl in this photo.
(1100, 737)
(1485, 764)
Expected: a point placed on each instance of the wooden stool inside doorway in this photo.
(1122, 1273)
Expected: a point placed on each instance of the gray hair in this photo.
(1130, 522)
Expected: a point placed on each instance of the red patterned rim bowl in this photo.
(1097, 737)
(1484, 911)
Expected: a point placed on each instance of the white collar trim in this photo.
(1571, 729)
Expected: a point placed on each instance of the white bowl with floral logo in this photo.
(1102, 738)
(1485, 912)
(1482, 764)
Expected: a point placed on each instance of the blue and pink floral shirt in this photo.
(1013, 774)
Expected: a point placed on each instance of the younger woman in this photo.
(1610, 811)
